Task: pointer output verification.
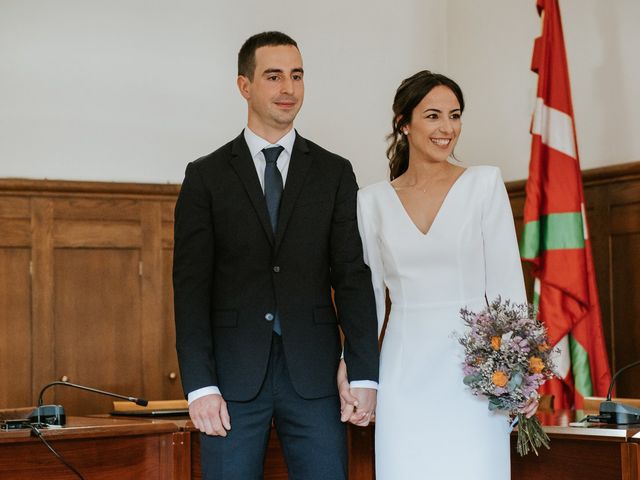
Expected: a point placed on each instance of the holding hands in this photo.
(357, 405)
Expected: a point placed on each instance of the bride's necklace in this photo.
(426, 188)
(415, 186)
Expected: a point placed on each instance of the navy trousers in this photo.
(312, 437)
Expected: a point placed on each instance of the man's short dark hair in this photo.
(247, 54)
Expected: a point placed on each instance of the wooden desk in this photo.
(108, 448)
(100, 448)
(594, 452)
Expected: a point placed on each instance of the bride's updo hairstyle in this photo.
(409, 94)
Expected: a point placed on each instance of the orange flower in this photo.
(499, 378)
(536, 365)
(495, 342)
(543, 347)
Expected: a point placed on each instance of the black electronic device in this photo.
(14, 424)
(48, 415)
(618, 413)
(55, 415)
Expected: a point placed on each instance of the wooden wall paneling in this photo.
(172, 383)
(90, 233)
(152, 301)
(623, 195)
(15, 337)
(598, 211)
(626, 310)
(98, 328)
(102, 208)
(15, 301)
(167, 224)
(624, 254)
(15, 232)
(97, 309)
(43, 362)
(14, 206)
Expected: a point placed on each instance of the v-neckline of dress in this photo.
(435, 218)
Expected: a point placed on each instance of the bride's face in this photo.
(435, 125)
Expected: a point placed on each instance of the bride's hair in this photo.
(409, 94)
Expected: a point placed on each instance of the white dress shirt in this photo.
(256, 144)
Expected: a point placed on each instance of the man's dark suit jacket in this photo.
(230, 272)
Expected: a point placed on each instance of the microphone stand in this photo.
(54, 415)
(618, 413)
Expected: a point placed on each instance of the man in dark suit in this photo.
(265, 227)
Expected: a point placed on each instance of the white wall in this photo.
(490, 46)
(131, 90)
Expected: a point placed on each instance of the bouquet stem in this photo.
(531, 436)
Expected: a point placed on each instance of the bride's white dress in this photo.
(428, 425)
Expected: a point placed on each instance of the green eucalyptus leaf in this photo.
(471, 379)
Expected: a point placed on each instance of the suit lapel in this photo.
(242, 163)
(298, 168)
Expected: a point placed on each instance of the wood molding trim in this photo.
(611, 174)
(71, 187)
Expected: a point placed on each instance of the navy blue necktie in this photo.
(273, 194)
(272, 184)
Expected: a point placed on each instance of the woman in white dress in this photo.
(439, 237)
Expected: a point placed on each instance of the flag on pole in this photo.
(555, 238)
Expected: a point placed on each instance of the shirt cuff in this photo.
(364, 384)
(201, 392)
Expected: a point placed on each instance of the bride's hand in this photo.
(530, 408)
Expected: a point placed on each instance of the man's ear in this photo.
(243, 85)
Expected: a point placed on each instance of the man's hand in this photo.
(209, 415)
(347, 400)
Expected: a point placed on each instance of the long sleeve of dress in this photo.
(372, 256)
(502, 258)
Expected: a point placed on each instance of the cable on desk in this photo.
(38, 434)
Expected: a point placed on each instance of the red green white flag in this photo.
(555, 238)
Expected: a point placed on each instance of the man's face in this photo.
(276, 93)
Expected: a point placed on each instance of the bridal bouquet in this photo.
(507, 357)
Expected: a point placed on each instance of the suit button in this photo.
(269, 317)
(276, 269)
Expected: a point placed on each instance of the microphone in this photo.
(54, 414)
(619, 413)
